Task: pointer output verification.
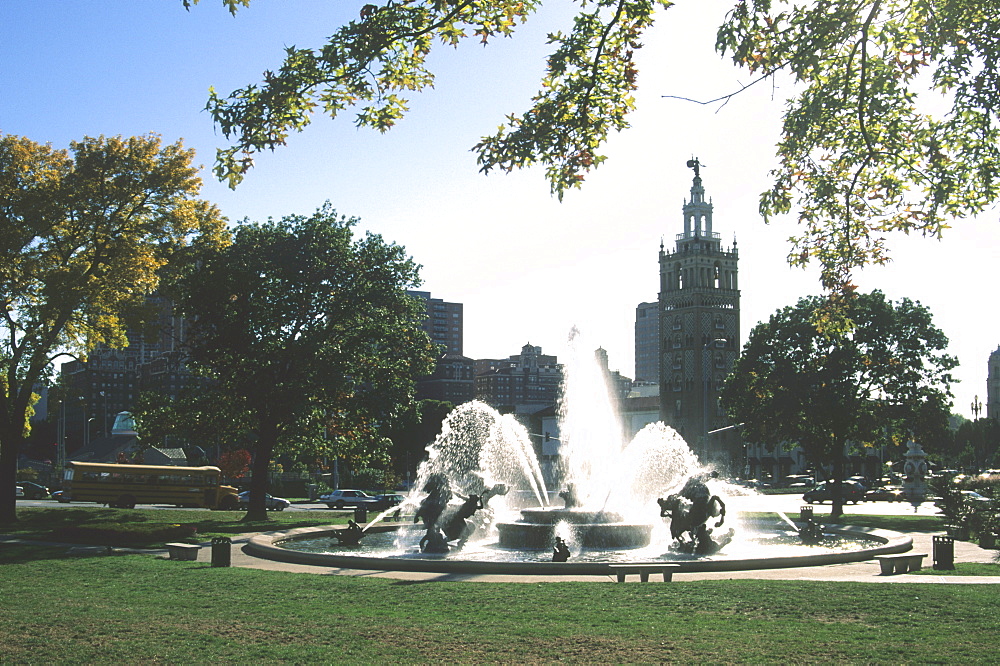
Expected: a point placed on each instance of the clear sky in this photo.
(527, 267)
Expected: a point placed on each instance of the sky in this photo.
(526, 267)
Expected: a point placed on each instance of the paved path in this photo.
(860, 571)
(868, 572)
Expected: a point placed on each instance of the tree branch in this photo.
(726, 98)
(598, 52)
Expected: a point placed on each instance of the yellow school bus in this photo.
(123, 486)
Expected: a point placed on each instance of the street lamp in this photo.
(104, 421)
(61, 437)
(976, 407)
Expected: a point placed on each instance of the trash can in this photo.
(221, 551)
(944, 552)
(360, 515)
(805, 513)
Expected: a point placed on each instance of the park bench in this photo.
(622, 570)
(900, 563)
(183, 551)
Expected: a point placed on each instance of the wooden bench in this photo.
(183, 551)
(622, 570)
(901, 563)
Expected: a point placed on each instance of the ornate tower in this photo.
(699, 330)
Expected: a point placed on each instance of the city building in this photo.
(619, 386)
(443, 323)
(699, 316)
(993, 386)
(522, 383)
(647, 342)
(453, 380)
(453, 376)
(109, 381)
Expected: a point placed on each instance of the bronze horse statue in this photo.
(690, 511)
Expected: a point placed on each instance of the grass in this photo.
(151, 527)
(140, 608)
(963, 569)
(896, 523)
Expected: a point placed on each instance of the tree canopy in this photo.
(885, 382)
(84, 235)
(297, 322)
(891, 125)
(411, 435)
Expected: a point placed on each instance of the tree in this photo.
(198, 416)
(885, 382)
(234, 464)
(84, 235)
(412, 435)
(976, 443)
(859, 156)
(297, 318)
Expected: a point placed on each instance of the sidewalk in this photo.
(865, 572)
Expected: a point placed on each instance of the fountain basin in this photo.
(601, 530)
(269, 546)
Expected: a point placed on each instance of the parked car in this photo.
(18, 491)
(973, 496)
(886, 494)
(851, 491)
(270, 503)
(60, 496)
(861, 481)
(388, 501)
(355, 499)
(798, 481)
(33, 490)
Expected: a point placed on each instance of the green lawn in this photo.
(151, 527)
(144, 608)
(904, 523)
(141, 608)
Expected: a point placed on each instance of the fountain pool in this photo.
(489, 504)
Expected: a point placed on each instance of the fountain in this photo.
(486, 506)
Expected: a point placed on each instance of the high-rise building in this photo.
(699, 329)
(647, 342)
(993, 386)
(109, 381)
(443, 323)
(453, 376)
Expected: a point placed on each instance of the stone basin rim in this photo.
(266, 546)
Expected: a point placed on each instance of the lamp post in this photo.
(104, 422)
(61, 438)
(977, 407)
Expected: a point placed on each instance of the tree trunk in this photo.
(10, 444)
(837, 488)
(267, 438)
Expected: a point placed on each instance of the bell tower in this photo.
(699, 329)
